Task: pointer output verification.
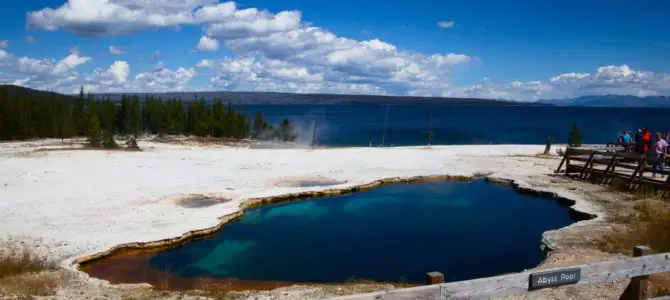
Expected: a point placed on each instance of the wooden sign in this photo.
(554, 278)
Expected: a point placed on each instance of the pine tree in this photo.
(108, 140)
(6, 121)
(219, 119)
(67, 127)
(286, 131)
(575, 137)
(135, 117)
(132, 143)
(259, 123)
(94, 132)
(123, 115)
(79, 115)
(229, 129)
(241, 126)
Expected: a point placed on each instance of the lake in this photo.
(363, 125)
(395, 233)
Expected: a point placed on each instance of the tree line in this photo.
(46, 115)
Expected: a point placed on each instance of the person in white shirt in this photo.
(660, 148)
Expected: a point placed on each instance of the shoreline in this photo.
(533, 180)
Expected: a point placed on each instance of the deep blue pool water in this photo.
(362, 125)
(395, 233)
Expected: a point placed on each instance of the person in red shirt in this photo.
(646, 139)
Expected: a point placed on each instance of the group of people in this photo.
(643, 143)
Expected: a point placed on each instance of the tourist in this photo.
(627, 140)
(638, 142)
(646, 140)
(660, 148)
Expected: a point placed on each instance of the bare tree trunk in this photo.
(388, 109)
(547, 147)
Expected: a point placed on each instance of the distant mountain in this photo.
(289, 98)
(612, 101)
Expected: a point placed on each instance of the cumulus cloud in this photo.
(606, 80)
(164, 80)
(116, 51)
(62, 76)
(446, 24)
(70, 62)
(348, 61)
(252, 22)
(205, 63)
(4, 44)
(120, 70)
(31, 39)
(207, 44)
(281, 52)
(277, 48)
(99, 18)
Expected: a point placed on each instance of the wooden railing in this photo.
(638, 268)
(604, 163)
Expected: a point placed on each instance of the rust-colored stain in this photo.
(133, 266)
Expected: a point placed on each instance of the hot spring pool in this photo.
(394, 233)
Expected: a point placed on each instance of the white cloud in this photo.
(570, 77)
(116, 51)
(164, 80)
(205, 63)
(61, 75)
(251, 22)
(348, 61)
(70, 62)
(99, 18)
(4, 44)
(607, 80)
(446, 24)
(284, 48)
(120, 70)
(207, 44)
(31, 39)
(281, 52)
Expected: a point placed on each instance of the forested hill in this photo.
(24, 92)
(26, 114)
(289, 98)
(282, 98)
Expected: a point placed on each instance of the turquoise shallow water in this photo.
(394, 233)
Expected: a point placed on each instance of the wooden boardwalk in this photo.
(604, 165)
(637, 268)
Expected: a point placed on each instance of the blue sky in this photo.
(521, 50)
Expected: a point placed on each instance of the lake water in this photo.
(394, 233)
(362, 125)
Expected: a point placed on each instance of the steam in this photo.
(304, 130)
(303, 126)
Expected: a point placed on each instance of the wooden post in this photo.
(565, 156)
(610, 167)
(639, 168)
(586, 165)
(567, 161)
(638, 288)
(434, 278)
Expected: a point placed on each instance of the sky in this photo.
(516, 50)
